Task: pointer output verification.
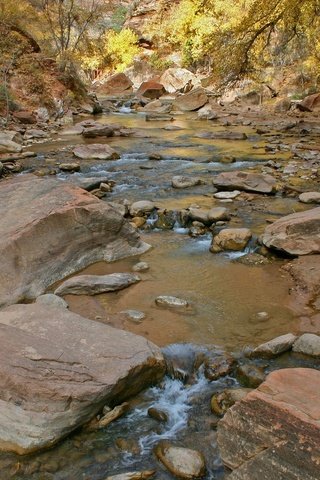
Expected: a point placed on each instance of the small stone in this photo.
(184, 463)
(143, 207)
(109, 417)
(217, 366)
(221, 402)
(140, 267)
(134, 315)
(138, 221)
(250, 375)
(157, 414)
(181, 181)
(168, 301)
(227, 195)
(70, 167)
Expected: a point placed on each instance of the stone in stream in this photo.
(133, 475)
(309, 344)
(310, 197)
(141, 267)
(181, 181)
(221, 402)
(168, 301)
(296, 234)
(98, 130)
(51, 300)
(138, 209)
(274, 347)
(69, 167)
(96, 151)
(230, 239)
(108, 417)
(250, 375)
(183, 463)
(274, 431)
(249, 182)
(151, 89)
(95, 284)
(157, 414)
(56, 229)
(227, 195)
(191, 101)
(134, 315)
(59, 369)
(218, 365)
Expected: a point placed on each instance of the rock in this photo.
(282, 106)
(59, 369)
(311, 103)
(42, 114)
(167, 301)
(138, 209)
(274, 347)
(191, 101)
(183, 463)
(108, 417)
(56, 229)
(227, 195)
(221, 402)
(115, 84)
(199, 214)
(207, 113)
(218, 365)
(249, 182)
(11, 135)
(166, 219)
(158, 117)
(8, 146)
(98, 130)
(35, 133)
(175, 79)
(158, 107)
(296, 234)
(309, 344)
(250, 375)
(96, 151)
(134, 315)
(69, 167)
(25, 117)
(218, 214)
(230, 239)
(140, 267)
(89, 183)
(196, 229)
(310, 197)
(51, 300)
(133, 475)
(130, 445)
(156, 414)
(151, 89)
(180, 181)
(223, 135)
(95, 284)
(274, 431)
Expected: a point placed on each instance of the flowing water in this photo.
(225, 296)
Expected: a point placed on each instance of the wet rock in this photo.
(199, 215)
(133, 475)
(309, 344)
(128, 445)
(134, 315)
(109, 417)
(115, 84)
(218, 214)
(141, 267)
(226, 195)
(51, 300)
(168, 301)
(274, 431)
(191, 101)
(138, 209)
(216, 366)
(58, 369)
(249, 182)
(157, 414)
(138, 222)
(95, 284)
(184, 463)
(69, 167)
(96, 151)
(252, 259)
(151, 89)
(56, 229)
(250, 375)
(274, 347)
(197, 229)
(180, 181)
(310, 197)
(183, 360)
(230, 239)
(98, 130)
(296, 234)
(221, 402)
(166, 219)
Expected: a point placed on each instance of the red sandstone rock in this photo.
(151, 90)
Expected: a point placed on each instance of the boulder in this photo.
(191, 101)
(96, 151)
(175, 79)
(309, 344)
(11, 135)
(310, 197)
(310, 103)
(59, 369)
(274, 431)
(8, 146)
(95, 284)
(249, 182)
(183, 463)
(274, 347)
(25, 117)
(142, 207)
(115, 84)
(51, 229)
(218, 214)
(230, 239)
(98, 130)
(295, 234)
(181, 181)
(151, 89)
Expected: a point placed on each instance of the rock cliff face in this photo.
(51, 229)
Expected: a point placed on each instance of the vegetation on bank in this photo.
(228, 39)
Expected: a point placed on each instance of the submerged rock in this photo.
(167, 301)
(249, 182)
(274, 431)
(182, 462)
(230, 239)
(95, 284)
(59, 369)
(96, 151)
(181, 181)
(56, 229)
(133, 475)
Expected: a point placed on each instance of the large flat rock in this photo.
(296, 234)
(249, 182)
(51, 229)
(273, 433)
(58, 369)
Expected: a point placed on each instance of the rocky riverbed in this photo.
(226, 198)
